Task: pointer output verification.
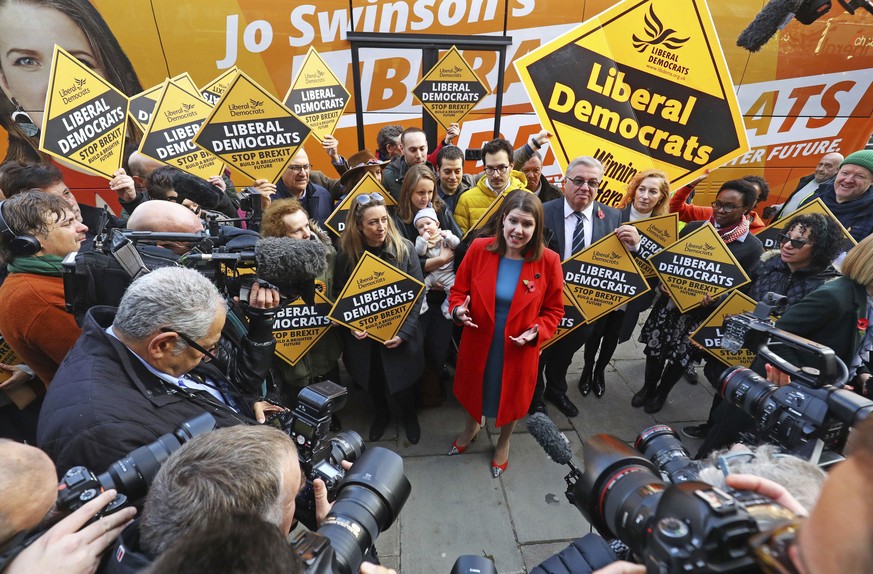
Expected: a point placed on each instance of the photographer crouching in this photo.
(140, 371)
(251, 469)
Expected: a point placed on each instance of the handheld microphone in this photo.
(772, 18)
(550, 438)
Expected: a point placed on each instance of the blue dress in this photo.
(508, 274)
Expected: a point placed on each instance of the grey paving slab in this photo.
(455, 508)
(535, 491)
(612, 414)
(439, 428)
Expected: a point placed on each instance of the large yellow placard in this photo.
(377, 298)
(709, 334)
(252, 131)
(86, 117)
(168, 139)
(450, 90)
(602, 277)
(642, 85)
(317, 96)
(698, 264)
(571, 320)
(298, 326)
(216, 88)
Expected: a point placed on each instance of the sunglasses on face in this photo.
(795, 243)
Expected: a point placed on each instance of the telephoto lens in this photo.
(661, 445)
(368, 501)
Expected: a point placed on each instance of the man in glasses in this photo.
(809, 187)
(140, 371)
(572, 223)
(499, 177)
(296, 183)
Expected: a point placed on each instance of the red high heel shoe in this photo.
(498, 469)
(457, 449)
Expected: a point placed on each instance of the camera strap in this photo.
(208, 400)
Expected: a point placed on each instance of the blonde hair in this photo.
(663, 205)
(352, 243)
(858, 264)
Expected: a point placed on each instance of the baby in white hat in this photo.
(428, 243)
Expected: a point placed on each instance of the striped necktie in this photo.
(578, 233)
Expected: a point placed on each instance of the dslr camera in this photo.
(811, 416)
(688, 527)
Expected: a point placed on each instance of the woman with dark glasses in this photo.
(389, 368)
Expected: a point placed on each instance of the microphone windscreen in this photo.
(770, 20)
(197, 190)
(284, 261)
(549, 438)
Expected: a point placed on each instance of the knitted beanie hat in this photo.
(864, 158)
(426, 212)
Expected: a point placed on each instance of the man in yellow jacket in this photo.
(499, 177)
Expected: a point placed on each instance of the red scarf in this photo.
(731, 233)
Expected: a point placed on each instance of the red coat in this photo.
(539, 302)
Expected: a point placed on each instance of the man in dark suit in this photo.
(809, 186)
(573, 223)
(533, 171)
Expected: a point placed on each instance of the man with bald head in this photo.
(295, 182)
(166, 217)
(809, 186)
(28, 489)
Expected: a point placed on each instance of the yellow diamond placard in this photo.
(143, 104)
(571, 320)
(298, 326)
(214, 90)
(769, 236)
(168, 138)
(317, 96)
(644, 84)
(85, 118)
(377, 298)
(709, 334)
(451, 89)
(336, 222)
(602, 277)
(252, 131)
(656, 233)
(697, 264)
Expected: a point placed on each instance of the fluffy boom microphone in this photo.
(550, 438)
(772, 18)
(291, 264)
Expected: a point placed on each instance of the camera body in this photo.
(688, 527)
(131, 475)
(811, 416)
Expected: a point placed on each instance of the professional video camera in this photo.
(131, 475)
(811, 416)
(687, 527)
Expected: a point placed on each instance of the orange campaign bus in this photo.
(807, 92)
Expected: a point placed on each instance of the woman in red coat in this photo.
(507, 294)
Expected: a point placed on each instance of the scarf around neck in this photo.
(731, 233)
(38, 265)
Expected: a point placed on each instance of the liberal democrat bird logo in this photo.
(657, 34)
(80, 83)
(256, 103)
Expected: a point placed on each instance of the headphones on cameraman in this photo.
(19, 245)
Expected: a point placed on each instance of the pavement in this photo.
(522, 517)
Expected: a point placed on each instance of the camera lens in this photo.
(347, 445)
(661, 445)
(368, 501)
(746, 389)
(619, 490)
